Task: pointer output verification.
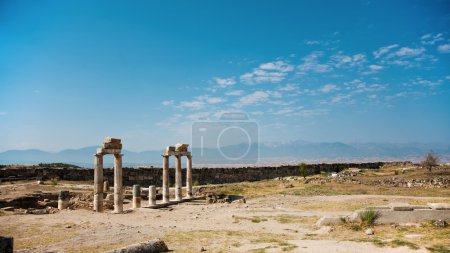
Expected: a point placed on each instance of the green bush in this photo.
(303, 170)
(369, 216)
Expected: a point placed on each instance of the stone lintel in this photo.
(177, 153)
(104, 151)
(112, 146)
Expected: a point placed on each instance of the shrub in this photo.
(54, 181)
(303, 170)
(369, 216)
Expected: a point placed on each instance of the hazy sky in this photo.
(73, 72)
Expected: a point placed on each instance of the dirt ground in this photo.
(276, 220)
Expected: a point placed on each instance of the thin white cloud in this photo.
(408, 52)
(215, 100)
(2, 114)
(383, 50)
(444, 49)
(277, 66)
(234, 93)
(225, 82)
(167, 102)
(424, 82)
(328, 88)
(197, 116)
(270, 72)
(375, 67)
(431, 39)
(195, 105)
(311, 64)
(341, 60)
(254, 98)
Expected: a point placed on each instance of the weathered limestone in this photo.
(151, 195)
(189, 176)
(106, 186)
(165, 188)
(98, 183)
(118, 197)
(63, 200)
(110, 146)
(153, 246)
(136, 196)
(178, 179)
(178, 151)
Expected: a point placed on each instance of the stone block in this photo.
(439, 206)
(112, 145)
(328, 220)
(181, 147)
(152, 246)
(400, 207)
(103, 151)
(111, 140)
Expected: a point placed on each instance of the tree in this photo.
(431, 160)
(303, 170)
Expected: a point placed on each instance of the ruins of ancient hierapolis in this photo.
(113, 146)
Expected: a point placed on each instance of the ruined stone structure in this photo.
(114, 147)
(153, 176)
(178, 151)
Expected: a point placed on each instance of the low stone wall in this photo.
(153, 176)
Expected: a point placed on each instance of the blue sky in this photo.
(73, 72)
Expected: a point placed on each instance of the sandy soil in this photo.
(263, 224)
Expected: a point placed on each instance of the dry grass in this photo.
(226, 241)
(386, 235)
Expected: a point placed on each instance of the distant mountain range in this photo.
(270, 154)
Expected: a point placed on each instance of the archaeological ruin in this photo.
(178, 151)
(111, 146)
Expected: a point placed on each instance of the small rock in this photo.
(202, 249)
(68, 226)
(369, 232)
(440, 223)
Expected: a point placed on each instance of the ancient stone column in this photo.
(151, 195)
(178, 179)
(136, 196)
(98, 183)
(63, 200)
(165, 190)
(189, 176)
(106, 186)
(118, 198)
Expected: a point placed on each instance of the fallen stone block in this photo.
(328, 220)
(439, 206)
(152, 246)
(400, 207)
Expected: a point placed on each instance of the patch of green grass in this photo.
(369, 216)
(376, 241)
(439, 248)
(399, 242)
